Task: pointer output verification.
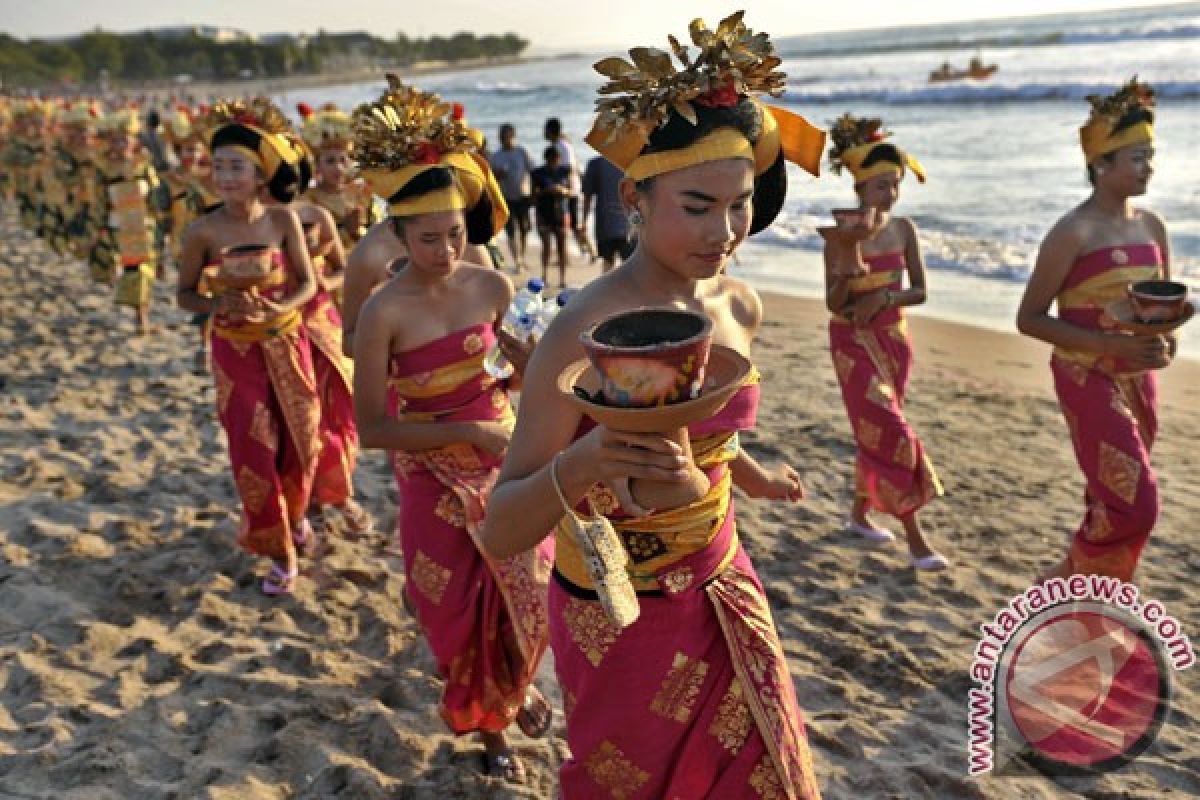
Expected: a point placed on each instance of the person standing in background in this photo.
(566, 158)
(513, 167)
(601, 185)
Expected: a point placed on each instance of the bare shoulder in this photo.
(486, 279)
(1071, 231)
(744, 302)
(1153, 222)
(905, 227)
(282, 216)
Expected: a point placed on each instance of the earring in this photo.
(635, 218)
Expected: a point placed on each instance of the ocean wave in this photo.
(916, 41)
(972, 92)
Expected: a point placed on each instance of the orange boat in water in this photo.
(976, 70)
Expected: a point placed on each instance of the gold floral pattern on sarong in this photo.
(602, 500)
(1117, 403)
(450, 510)
(224, 387)
(462, 668)
(612, 770)
(590, 628)
(1076, 372)
(430, 578)
(472, 343)
(1099, 526)
(677, 580)
(764, 780)
(880, 393)
(843, 365)
(906, 454)
(643, 546)
(731, 725)
(680, 688)
(263, 429)
(499, 399)
(253, 489)
(1119, 472)
(295, 387)
(868, 434)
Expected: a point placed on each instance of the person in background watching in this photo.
(513, 168)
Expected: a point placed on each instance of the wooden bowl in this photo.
(245, 266)
(725, 373)
(649, 357)
(1157, 301)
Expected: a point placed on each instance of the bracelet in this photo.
(562, 497)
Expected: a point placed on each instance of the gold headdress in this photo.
(80, 113)
(121, 120)
(407, 132)
(856, 138)
(732, 63)
(327, 129)
(1132, 104)
(180, 127)
(258, 129)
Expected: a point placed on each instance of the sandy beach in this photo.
(139, 660)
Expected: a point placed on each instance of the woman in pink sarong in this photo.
(261, 362)
(332, 506)
(869, 341)
(421, 391)
(693, 698)
(1104, 377)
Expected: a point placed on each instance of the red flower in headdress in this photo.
(426, 153)
(305, 110)
(876, 136)
(457, 112)
(720, 97)
(246, 118)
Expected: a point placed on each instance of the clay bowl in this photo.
(245, 266)
(1157, 301)
(854, 217)
(1126, 318)
(649, 357)
(725, 373)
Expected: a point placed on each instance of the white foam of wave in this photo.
(975, 92)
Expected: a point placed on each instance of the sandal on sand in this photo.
(304, 538)
(279, 581)
(870, 532)
(535, 716)
(503, 765)
(930, 563)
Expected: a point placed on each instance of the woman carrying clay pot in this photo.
(693, 699)
(421, 391)
(867, 257)
(1103, 376)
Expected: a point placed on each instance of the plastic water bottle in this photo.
(522, 320)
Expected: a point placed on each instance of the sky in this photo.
(549, 24)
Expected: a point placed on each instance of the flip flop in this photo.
(304, 538)
(503, 765)
(870, 532)
(528, 718)
(279, 581)
(930, 563)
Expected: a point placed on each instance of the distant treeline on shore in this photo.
(211, 54)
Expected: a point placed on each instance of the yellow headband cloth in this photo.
(853, 160)
(800, 141)
(1097, 138)
(472, 179)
